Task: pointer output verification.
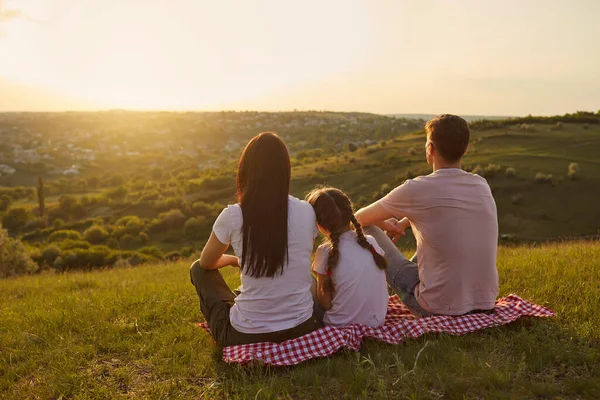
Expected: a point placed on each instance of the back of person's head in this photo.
(450, 136)
(335, 212)
(263, 183)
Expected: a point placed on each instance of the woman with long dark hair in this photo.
(272, 235)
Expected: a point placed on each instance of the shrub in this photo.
(574, 171)
(510, 172)
(15, 218)
(58, 223)
(479, 171)
(5, 202)
(491, 170)
(96, 234)
(35, 224)
(143, 238)
(173, 219)
(72, 244)
(352, 147)
(112, 243)
(127, 240)
(527, 128)
(14, 259)
(69, 208)
(49, 256)
(543, 178)
(173, 256)
(64, 235)
(152, 251)
(192, 226)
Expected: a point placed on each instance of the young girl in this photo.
(350, 268)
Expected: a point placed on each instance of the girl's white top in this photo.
(284, 301)
(361, 295)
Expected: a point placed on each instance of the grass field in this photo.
(129, 333)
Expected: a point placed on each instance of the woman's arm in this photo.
(325, 297)
(213, 255)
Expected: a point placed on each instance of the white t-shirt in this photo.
(284, 301)
(361, 295)
(454, 219)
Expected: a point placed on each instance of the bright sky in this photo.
(510, 57)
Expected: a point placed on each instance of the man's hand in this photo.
(396, 229)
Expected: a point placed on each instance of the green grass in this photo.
(129, 333)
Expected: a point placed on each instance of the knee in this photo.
(196, 272)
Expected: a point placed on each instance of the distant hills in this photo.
(469, 118)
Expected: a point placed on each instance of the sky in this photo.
(471, 57)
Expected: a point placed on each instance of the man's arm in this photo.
(375, 214)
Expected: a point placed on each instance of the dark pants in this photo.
(216, 300)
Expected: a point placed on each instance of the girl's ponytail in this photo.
(364, 243)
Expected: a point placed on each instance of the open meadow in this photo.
(130, 333)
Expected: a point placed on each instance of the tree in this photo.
(40, 196)
(14, 259)
(16, 218)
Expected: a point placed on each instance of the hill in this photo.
(141, 186)
(130, 333)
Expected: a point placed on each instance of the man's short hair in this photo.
(450, 136)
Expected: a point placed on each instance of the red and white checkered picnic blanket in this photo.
(399, 324)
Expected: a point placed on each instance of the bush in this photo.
(72, 244)
(5, 202)
(64, 235)
(69, 208)
(510, 172)
(15, 219)
(543, 178)
(96, 234)
(479, 171)
(173, 219)
(173, 256)
(128, 240)
(352, 147)
(491, 170)
(193, 226)
(527, 128)
(152, 251)
(14, 259)
(131, 225)
(49, 256)
(574, 171)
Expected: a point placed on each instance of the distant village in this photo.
(62, 144)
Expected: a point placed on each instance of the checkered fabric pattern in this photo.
(399, 325)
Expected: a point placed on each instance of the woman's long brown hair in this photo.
(263, 184)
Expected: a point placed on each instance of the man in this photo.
(454, 220)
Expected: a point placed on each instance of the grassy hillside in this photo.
(129, 333)
(160, 202)
(560, 207)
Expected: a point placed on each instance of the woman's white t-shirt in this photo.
(284, 301)
(361, 295)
